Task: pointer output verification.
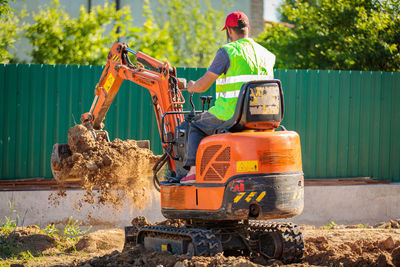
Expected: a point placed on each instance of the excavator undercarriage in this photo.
(280, 241)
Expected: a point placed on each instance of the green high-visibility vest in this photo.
(249, 61)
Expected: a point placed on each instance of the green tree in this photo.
(284, 18)
(4, 7)
(195, 31)
(182, 34)
(8, 34)
(10, 29)
(337, 34)
(151, 38)
(58, 39)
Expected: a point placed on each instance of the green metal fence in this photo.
(349, 122)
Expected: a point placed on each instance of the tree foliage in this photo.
(181, 32)
(152, 39)
(58, 39)
(337, 34)
(8, 34)
(10, 28)
(5, 8)
(195, 31)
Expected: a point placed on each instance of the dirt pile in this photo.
(352, 247)
(392, 224)
(101, 240)
(27, 238)
(138, 256)
(115, 169)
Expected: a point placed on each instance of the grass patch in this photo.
(27, 244)
(331, 225)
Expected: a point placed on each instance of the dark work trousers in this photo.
(201, 126)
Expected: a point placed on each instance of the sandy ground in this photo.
(349, 246)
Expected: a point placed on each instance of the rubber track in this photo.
(293, 245)
(205, 242)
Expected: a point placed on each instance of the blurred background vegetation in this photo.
(336, 34)
(312, 34)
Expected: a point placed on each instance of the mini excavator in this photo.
(248, 172)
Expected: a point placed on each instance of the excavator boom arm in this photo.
(160, 79)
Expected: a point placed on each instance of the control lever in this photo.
(203, 102)
(192, 112)
(191, 101)
(209, 98)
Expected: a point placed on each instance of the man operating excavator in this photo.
(239, 61)
(246, 174)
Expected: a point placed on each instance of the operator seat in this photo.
(259, 107)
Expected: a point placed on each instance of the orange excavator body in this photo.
(224, 162)
(247, 171)
(222, 158)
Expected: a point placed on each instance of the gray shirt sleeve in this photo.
(221, 62)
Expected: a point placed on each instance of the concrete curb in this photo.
(353, 204)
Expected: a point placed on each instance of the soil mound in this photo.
(138, 256)
(352, 247)
(392, 224)
(27, 238)
(101, 240)
(140, 221)
(114, 169)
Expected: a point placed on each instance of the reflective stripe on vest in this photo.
(229, 94)
(242, 78)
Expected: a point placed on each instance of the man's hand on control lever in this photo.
(190, 86)
(202, 84)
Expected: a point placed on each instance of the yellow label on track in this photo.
(163, 247)
(247, 166)
(109, 82)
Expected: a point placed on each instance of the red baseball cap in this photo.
(233, 19)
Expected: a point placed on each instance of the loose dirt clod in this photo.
(396, 256)
(115, 169)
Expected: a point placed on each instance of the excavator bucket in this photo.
(60, 152)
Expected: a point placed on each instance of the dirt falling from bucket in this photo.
(107, 171)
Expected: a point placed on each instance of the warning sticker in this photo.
(249, 197)
(264, 99)
(247, 166)
(109, 82)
